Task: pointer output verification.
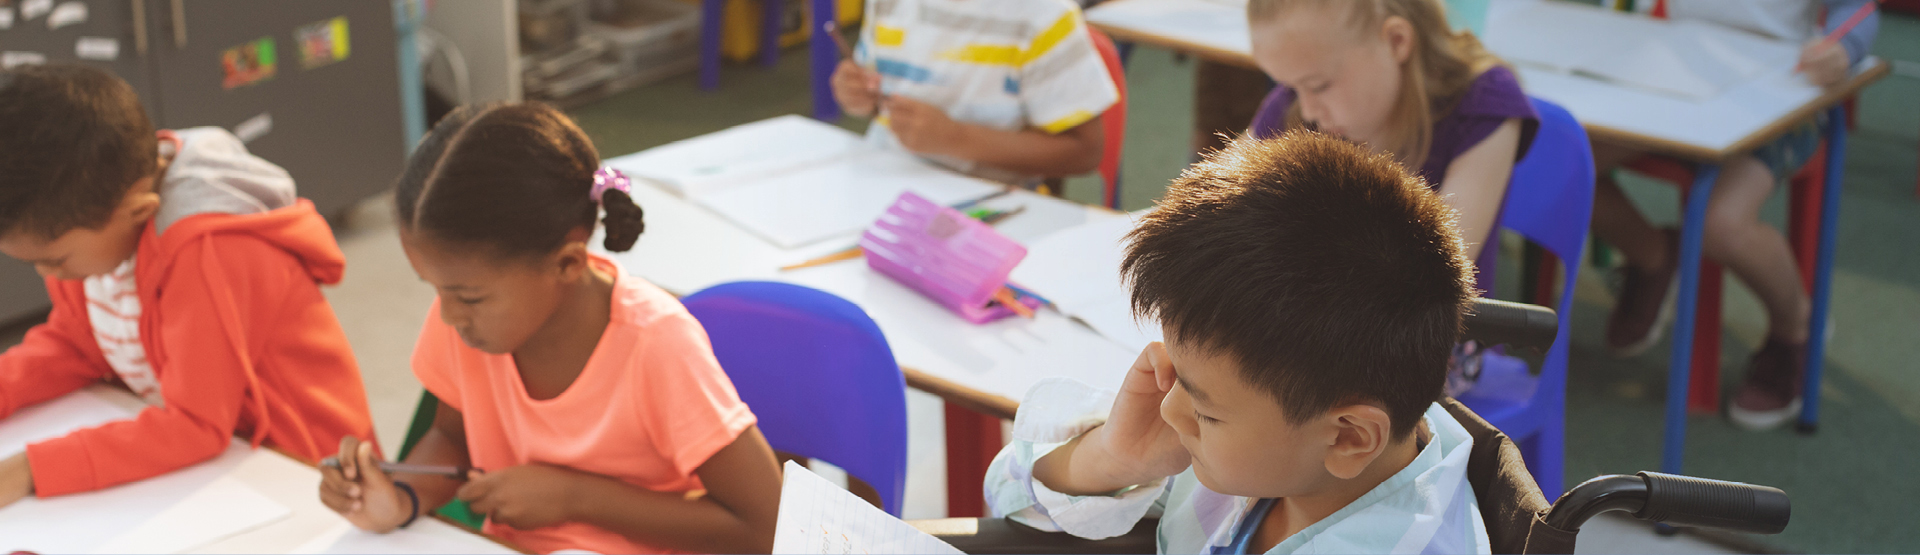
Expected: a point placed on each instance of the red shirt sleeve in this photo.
(56, 357)
(212, 317)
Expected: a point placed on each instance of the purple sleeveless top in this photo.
(1492, 99)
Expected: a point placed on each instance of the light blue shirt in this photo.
(1427, 507)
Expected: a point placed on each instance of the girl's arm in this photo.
(1476, 183)
(736, 514)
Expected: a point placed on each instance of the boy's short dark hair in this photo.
(1327, 272)
(73, 139)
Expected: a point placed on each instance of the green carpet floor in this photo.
(1853, 484)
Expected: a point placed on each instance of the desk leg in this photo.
(1704, 389)
(1692, 230)
(1823, 271)
(1803, 217)
(972, 441)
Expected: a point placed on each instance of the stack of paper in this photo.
(695, 165)
(1079, 270)
(1688, 59)
(795, 181)
(819, 518)
(222, 509)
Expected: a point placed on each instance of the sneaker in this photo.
(1771, 395)
(1645, 306)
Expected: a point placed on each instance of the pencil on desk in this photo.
(1006, 298)
(848, 254)
(448, 471)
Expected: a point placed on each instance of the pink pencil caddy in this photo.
(951, 258)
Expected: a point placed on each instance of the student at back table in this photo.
(1008, 90)
(1736, 237)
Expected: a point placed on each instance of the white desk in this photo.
(687, 248)
(1741, 119)
(84, 522)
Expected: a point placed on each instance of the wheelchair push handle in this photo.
(1676, 500)
(1526, 326)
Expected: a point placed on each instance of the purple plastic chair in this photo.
(1550, 202)
(824, 53)
(817, 372)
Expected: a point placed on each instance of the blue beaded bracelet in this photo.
(411, 496)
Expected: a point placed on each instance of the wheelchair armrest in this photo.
(998, 535)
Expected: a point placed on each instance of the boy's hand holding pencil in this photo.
(856, 87)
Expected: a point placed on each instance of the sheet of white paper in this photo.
(1079, 270)
(222, 509)
(73, 523)
(819, 518)
(837, 198)
(425, 536)
(1687, 59)
(56, 418)
(6, 17)
(697, 165)
(68, 13)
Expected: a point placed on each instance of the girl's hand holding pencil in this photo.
(355, 487)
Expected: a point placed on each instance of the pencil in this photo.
(449, 471)
(848, 254)
(1007, 299)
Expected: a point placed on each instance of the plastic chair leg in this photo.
(1823, 275)
(1803, 215)
(1692, 231)
(710, 14)
(826, 55)
(770, 27)
(972, 441)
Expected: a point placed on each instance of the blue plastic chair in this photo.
(1550, 202)
(817, 372)
(823, 53)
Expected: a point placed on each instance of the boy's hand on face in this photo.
(1135, 436)
(922, 127)
(856, 88)
(524, 497)
(1825, 63)
(359, 491)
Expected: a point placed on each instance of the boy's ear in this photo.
(1361, 434)
(1398, 32)
(141, 202)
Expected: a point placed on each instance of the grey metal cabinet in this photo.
(312, 86)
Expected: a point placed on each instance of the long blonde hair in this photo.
(1437, 72)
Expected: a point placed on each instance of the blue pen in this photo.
(1024, 292)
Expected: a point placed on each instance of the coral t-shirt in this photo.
(651, 406)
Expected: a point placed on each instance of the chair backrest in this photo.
(1114, 120)
(1550, 202)
(1510, 502)
(818, 374)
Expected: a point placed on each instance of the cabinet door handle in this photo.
(140, 27)
(179, 24)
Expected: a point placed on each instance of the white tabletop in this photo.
(82, 523)
(687, 248)
(1741, 118)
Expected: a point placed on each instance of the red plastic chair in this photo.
(1114, 121)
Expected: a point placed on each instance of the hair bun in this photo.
(625, 220)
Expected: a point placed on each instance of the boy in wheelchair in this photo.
(1310, 292)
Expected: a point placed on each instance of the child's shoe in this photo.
(1771, 395)
(1645, 305)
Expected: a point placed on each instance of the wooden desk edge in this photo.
(435, 514)
(1125, 34)
(1833, 95)
(972, 399)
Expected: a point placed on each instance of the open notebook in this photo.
(819, 518)
(1686, 59)
(794, 181)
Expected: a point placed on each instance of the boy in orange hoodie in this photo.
(180, 266)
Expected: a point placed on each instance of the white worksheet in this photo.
(220, 510)
(698, 165)
(1079, 270)
(819, 518)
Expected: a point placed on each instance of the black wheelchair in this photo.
(1517, 515)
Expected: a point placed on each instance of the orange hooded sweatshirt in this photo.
(238, 336)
